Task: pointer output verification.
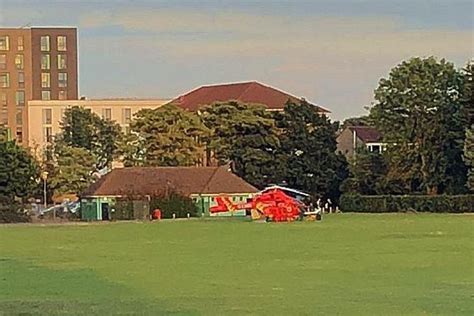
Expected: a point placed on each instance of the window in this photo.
(5, 80)
(45, 62)
(19, 61)
(19, 118)
(20, 98)
(20, 43)
(45, 43)
(4, 42)
(127, 116)
(21, 80)
(19, 135)
(107, 114)
(45, 95)
(62, 61)
(47, 134)
(4, 116)
(62, 95)
(61, 43)
(3, 61)
(3, 99)
(62, 80)
(45, 80)
(47, 116)
(126, 130)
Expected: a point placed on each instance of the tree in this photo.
(468, 101)
(469, 156)
(468, 92)
(3, 133)
(72, 170)
(83, 129)
(18, 172)
(308, 148)
(419, 111)
(356, 121)
(245, 135)
(368, 171)
(170, 135)
(131, 150)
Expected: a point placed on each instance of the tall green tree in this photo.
(469, 157)
(131, 150)
(468, 101)
(19, 172)
(72, 170)
(356, 121)
(368, 171)
(170, 136)
(308, 148)
(419, 111)
(245, 135)
(84, 129)
(468, 92)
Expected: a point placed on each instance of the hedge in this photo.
(407, 203)
(13, 213)
(127, 209)
(176, 204)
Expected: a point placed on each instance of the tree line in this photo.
(424, 109)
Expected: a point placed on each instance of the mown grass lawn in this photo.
(348, 264)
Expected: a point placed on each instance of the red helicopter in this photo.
(275, 203)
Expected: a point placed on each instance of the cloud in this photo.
(182, 21)
(186, 34)
(333, 61)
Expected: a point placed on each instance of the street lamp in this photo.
(44, 175)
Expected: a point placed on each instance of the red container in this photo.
(156, 214)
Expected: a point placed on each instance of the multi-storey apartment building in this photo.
(45, 116)
(35, 64)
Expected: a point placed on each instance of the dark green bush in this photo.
(174, 203)
(13, 213)
(407, 203)
(123, 210)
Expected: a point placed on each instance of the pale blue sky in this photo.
(331, 52)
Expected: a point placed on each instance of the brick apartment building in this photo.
(35, 64)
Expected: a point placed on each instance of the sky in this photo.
(331, 52)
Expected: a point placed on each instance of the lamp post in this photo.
(44, 175)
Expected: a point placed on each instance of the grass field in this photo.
(347, 264)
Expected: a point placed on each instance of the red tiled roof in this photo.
(157, 180)
(247, 92)
(366, 133)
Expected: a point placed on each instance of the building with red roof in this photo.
(202, 184)
(246, 92)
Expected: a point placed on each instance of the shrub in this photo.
(13, 213)
(407, 203)
(174, 203)
(123, 210)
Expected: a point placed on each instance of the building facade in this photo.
(353, 137)
(44, 117)
(35, 64)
